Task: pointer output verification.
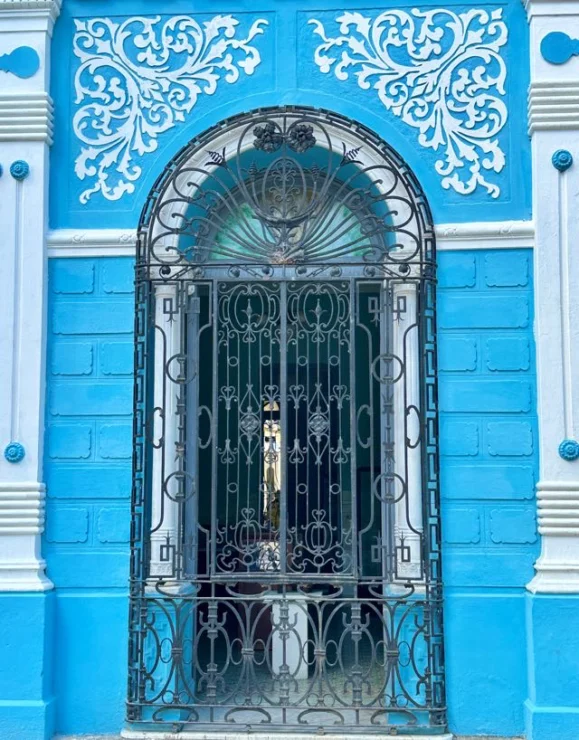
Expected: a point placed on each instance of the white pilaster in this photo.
(408, 458)
(25, 134)
(165, 510)
(554, 127)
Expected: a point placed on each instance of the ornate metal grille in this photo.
(285, 518)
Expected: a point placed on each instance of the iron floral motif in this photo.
(138, 78)
(440, 72)
(299, 138)
(267, 138)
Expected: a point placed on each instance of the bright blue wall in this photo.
(553, 629)
(287, 74)
(88, 478)
(487, 393)
(488, 468)
(27, 692)
(489, 465)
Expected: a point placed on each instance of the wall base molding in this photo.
(271, 736)
(278, 736)
(221, 735)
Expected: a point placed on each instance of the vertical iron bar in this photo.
(214, 302)
(283, 508)
(353, 426)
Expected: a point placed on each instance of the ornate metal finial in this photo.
(569, 450)
(14, 452)
(20, 169)
(562, 160)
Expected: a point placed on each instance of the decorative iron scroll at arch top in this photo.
(287, 186)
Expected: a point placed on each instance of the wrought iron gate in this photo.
(285, 528)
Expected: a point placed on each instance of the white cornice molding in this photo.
(52, 7)
(554, 106)
(485, 235)
(122, 242)
(26, 117)
(551, 7)
(29, 15)
(92, 243)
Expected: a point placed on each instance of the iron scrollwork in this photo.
(285, 517)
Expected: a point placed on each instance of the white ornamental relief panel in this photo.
(439, 71)
(138, 78)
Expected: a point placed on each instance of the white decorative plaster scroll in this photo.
(441, 72)
(138, 78)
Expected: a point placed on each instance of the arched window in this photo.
(286, 554)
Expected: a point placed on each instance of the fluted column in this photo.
(25, 136)
(554, 129)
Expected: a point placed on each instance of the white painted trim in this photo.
(554, 125)
(549, 8)
(26, 120)
(92, 243)
(553, 106)
(26, 116)
(21, 522)
(485, 235)
(122, 242)
(16, 8)
(558, 504)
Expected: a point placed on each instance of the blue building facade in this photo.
(97, 99)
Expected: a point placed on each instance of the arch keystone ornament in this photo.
(286, 572)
